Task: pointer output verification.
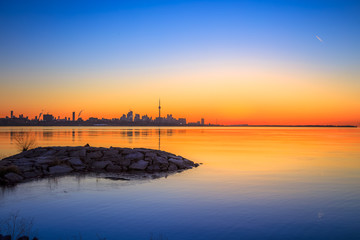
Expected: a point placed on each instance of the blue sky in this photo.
(83, 34)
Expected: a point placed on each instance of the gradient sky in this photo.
(256, 62)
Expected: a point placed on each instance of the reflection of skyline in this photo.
(77, 136)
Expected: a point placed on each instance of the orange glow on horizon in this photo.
(254, 93)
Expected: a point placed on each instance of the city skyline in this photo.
(129, 118)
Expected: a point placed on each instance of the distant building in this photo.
(12, 114)
(130, 116)
(137, 118)
(123, 117)
(145, 118)
(159, 110)
(48, 117)
(74, 116)
(202, 121)
(182, 121)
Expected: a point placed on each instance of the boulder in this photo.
(153, 168)
(95, 155)
(44, 160)
(100, 164)
(75, 161)
(160, 160)
(126, 151)
(32, 174)
(151, 155)
(172, 167)
(111, 153)
(61, 152)
(139, 165)
(49, 153)
(78, 153)
(135, 156)
(123, 162)
(13, 177)
(60, 169)
(178, 162)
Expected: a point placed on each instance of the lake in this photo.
(254, 183)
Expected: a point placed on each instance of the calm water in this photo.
(255, 183)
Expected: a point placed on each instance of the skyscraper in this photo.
(74, 116)
(159, 109)
(12, 114)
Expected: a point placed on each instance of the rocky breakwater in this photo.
(54, 161)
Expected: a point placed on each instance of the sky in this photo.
(230, 62)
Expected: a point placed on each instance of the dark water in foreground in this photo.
(255, 183)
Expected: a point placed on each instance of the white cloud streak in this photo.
(318, 38)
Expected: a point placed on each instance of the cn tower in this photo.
(159, 108)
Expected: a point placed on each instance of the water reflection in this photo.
(97, 136)
(256, 183)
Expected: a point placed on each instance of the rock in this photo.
(153, 168)
(32, 174)
(143, 150)
(126, 151)
(124, 162)
(114, 168)
(78, 153)
(60, 169)
(44, 160)
(13, 177)
(75, 161)
(172, 167)
(24, 166)
(151, 155)
(188, 162)
(100, 164)
(135, 156)
(139, 165)
(111, 153)
(49, 153)
(62, 152)
(95, 155)
(179, 163)
(165, 154)
(160, 160)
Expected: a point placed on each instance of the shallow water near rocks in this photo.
(255, 183)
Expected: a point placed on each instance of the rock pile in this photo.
(53, 161)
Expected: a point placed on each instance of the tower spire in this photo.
(159, 109)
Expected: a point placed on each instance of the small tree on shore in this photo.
(25, 141)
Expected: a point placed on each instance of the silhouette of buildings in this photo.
(48, 118)
(129, 119)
